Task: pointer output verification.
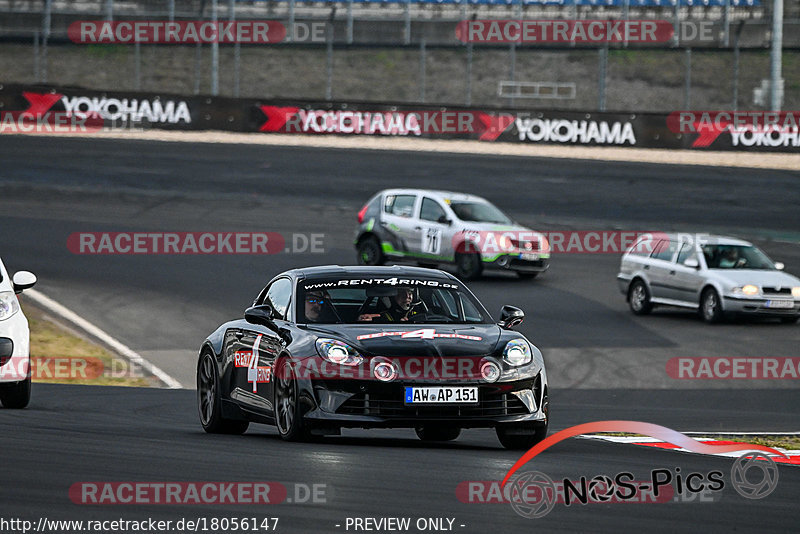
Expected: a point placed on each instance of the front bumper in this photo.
(760, 306)
(516, 263)
(371, 404)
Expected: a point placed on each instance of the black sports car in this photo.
(329, 347)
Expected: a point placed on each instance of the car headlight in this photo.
(517, 352)
(9, 305)
(749, 290)
(544, 245)
(336, 351)
(796, 292)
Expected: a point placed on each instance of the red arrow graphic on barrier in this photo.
(276, 117)
(40, 103)
(494, 125)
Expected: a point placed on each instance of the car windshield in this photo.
(736, 257)
(478, 212)
(387, 300)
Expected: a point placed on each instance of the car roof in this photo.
(706, 239)
(340, 271)
(435, 193)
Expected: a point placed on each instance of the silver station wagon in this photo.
(712, 274)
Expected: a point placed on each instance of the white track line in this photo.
(123, 350)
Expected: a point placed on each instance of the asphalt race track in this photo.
(603, 363)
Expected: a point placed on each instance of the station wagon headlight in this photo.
(749, 290)
(517, 352)
(8, 305)
(336, 351)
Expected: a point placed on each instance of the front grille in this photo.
(516, 262)
(775, 291)
(392, 406)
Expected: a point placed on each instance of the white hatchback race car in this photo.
(435, 228)
(15, 371)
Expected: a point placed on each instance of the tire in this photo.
(527, 276)
(209, 406)
(536, 431)
(710, 306)
(370, 251)
(16, 395)
(437, 433)
(790, 320)
(469, 265)
(639, 298)
(288, 413)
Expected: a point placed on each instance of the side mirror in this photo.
(444, 220)
(779, 265)
(260, 315)
(692, 263)
(510, 316)
(23, 280)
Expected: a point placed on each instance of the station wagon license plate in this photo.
(441, 395)
(783, 304)
(527, 256)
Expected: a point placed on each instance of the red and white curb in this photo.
(793, 454)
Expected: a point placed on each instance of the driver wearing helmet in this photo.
(402, 308)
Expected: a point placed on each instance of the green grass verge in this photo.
(59, 355)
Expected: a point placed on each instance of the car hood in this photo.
(400, 340)
(493, 227)
(739, 277)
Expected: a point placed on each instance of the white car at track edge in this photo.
(15, 371)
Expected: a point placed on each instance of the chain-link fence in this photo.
(434, 67)
(641, 80)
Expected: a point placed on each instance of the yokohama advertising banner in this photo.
(44, 108)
